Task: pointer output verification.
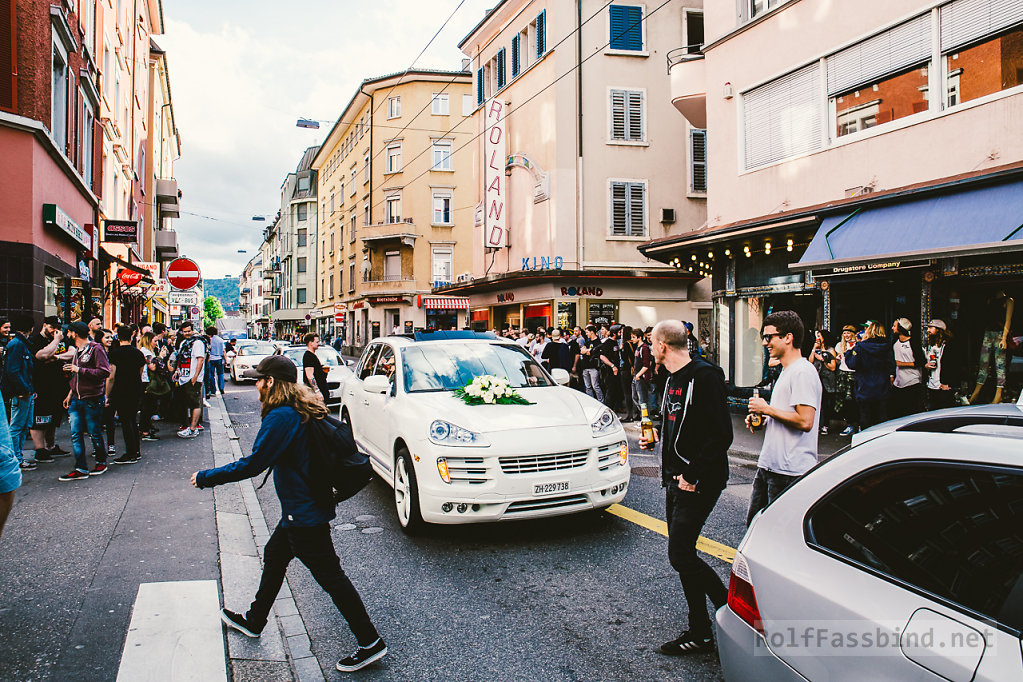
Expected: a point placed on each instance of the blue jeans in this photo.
(10, 472)
(643, 395)
(86, 416)
(22, 418)
(215, 376)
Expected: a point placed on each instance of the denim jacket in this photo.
(17, 379)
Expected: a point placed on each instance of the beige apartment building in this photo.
(396, 207)
(579, 159)
(863, 164)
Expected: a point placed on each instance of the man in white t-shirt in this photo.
(793, 415)
(191, 355)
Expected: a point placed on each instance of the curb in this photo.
(242, 533)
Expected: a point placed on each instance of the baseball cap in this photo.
(556, 334)
(615, 328)
(276, 366)
(938, 324)
(79, 329)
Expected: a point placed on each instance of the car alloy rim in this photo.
(402, 492)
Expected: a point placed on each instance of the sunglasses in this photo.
(768, 337)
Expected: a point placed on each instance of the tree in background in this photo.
(211, 311)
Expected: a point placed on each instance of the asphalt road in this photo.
(584, 597)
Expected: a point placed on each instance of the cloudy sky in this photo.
(242, 72)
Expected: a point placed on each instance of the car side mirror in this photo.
(560, 376)
(377, 383)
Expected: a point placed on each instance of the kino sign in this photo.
(495, 215)
(183, 273)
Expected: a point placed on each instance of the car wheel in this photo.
(406, 494)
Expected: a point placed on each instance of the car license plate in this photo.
(550, 488)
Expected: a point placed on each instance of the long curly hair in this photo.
(291, 394)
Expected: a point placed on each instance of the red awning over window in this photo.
(433, 303)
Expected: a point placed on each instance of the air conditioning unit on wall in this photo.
(667, 215)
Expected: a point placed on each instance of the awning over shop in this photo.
(983, 220)
(435, 303)
(107, 257)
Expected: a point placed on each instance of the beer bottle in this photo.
(646, 428)
(756, 420)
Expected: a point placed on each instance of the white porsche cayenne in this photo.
(450, 462)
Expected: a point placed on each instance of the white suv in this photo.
(450, 462)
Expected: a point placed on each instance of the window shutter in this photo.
(479, 86)
(617, 115)
(541, 34)
(635, 110)
(501, 80)
(894, 50)
(637, 217)
(783, 118)
(8, 55)
(964, 21)
(619, 209)
(698, 160)
(626, 24)
(515, 56)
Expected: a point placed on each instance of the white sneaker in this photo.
(205, 403)
(188, 433)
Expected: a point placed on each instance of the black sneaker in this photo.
(687, 643)
(43, 456)
(29, 465)
(149, 437)
(238, 622)
(111, 450)
(57, 451)
(127, 459)
(362, 657)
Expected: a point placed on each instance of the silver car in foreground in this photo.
(900, 558)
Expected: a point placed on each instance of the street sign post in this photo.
(196, 313)
(183, 273)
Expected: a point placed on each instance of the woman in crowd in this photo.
(824, 358)
(908, 391)
(874, 363)
(845, 384)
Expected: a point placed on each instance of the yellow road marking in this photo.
(715, 549)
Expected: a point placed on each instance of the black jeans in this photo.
(126, 409)
(938, 399)
(314, 548)
(767, 487)
(873, 412)
(686, 513)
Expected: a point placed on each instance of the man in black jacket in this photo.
(696, 434)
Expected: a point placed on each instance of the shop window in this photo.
(880, 102)
(567, 314)
(750, 358)
(989, 67)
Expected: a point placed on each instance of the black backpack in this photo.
(336, 467)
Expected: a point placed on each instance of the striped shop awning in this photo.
(445, 303)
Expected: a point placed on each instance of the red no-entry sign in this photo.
(183, 273)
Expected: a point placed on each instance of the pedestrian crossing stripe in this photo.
(705, 545)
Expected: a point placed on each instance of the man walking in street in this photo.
(18, 384)
(313, 374)
(49, 354)
(124, 390)
(282, 445)
(89, 369)
(188, 373)
(793, 415)
(215, 377)
(696, 434)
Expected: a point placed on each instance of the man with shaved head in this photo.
(695, 435)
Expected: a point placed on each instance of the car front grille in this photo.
(467, 470)
(531, 464)
(547, 503)
(607, 456)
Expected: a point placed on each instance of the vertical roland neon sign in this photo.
(495, 195)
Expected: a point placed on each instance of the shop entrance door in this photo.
(884, 299)
(805, 304)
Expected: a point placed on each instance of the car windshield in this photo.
(453, 365)
(328, 356)
(257, 349)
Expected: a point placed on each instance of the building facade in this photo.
(396, 207)
(250, 296)
(559, 217)
(871, 170)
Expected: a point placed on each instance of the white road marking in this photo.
(175, 634)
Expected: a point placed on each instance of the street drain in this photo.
(649, 472)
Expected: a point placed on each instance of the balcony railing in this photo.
(688, 72)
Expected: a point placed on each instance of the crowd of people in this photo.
(97, 378)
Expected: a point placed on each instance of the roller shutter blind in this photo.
(783, 118)
(965, 21)
(894, 50)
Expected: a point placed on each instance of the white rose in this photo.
(498, 391)
(473, 390)
(488, 397)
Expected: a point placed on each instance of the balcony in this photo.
(688, 72)
(166, 244)
(391, 284)
(167, 197)
(403, 232)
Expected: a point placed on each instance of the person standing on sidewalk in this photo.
(642, 382)
(188, 373)
(282, 445)
(696, 434)
(124, 390)
(89, 369)
(10, 470)
(943, 366)
(908, 386)
(18, 383)
(874, 363)
(49, 354)
(793, 415)
(845, 398)
(589, 351)
(216, 373)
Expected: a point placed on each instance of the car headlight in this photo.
(446, 433)
(605, 422)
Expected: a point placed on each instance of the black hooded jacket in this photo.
(697, 428)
